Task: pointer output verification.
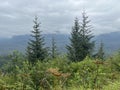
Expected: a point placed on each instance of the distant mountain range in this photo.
(8, 45)
(111, 42)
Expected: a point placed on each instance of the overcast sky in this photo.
(16, 16)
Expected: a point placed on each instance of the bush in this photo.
(60, 73)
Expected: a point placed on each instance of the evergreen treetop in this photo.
(100, 54)
(80, 41)
(53, 48)
(36, 49)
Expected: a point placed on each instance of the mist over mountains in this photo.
(7, 45)
(111, 41)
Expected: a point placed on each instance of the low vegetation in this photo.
(61, 74)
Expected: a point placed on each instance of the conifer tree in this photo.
(53, 48)
(86, 36)
(74, 47)
(36, 50)
(100, 54)
(80, 41)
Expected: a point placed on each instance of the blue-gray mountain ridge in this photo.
(111, 42)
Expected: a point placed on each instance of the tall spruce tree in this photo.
(80, 41)
(100, 54)
(53, 48)
(87, 44)
(74, 47)
(36, 50)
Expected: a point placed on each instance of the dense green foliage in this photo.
(73, 48)
(80, 41)
(60, 74)
(35, 49)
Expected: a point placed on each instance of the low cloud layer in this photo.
(16, 16)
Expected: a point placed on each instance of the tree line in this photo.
(81, 42)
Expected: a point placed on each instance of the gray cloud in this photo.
(16, 16)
